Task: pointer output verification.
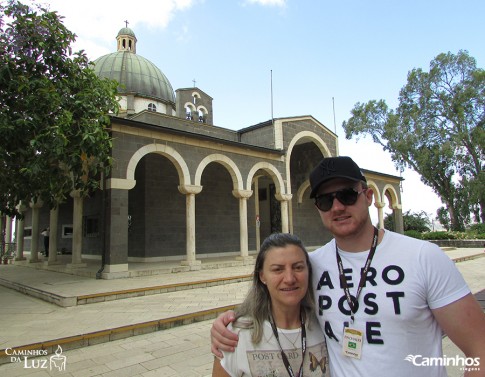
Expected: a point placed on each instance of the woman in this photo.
(278, 334)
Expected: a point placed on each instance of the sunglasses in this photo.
(347, 196)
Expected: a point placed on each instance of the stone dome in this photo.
(126, 31)
(135, 74)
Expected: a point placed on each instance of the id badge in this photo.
(352, 343)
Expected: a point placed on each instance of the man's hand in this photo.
(223, 339)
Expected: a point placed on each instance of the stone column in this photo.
(398, 221)
(284, 199)
(190, 191)
(19, 235)
(34, 247)
(257, 220)
(8, 229)
(243, 196)
(380, 213)
(77, 231)
(116, 228)
(53, 220)
(290, 216)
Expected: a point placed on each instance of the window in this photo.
(152, 107)
(195, 96)
(67, 231)
(28, 232)
(188, 113)
(90, 226)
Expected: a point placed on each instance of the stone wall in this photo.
(459, 243)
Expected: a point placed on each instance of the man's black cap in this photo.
(334, 167)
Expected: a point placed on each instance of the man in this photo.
(390, 322)
(45, 234)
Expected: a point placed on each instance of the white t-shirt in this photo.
(264, 358)
(406, 279)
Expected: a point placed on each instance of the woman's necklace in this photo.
(292, 341)
(283, 354)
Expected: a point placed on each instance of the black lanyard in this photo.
(363, 275)
(283, 355)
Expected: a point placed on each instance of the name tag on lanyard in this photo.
(352, 343)
(353, 338)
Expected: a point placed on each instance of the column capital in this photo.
(283, 197)
(379, 204)
(397, 206)
(119, 183)
(190, 189)
(21, 207)
(38, 204)
(75, 194)
(242, 194)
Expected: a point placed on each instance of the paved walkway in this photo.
(176, 351)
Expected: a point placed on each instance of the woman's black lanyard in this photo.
(363, 275)
(283, 355)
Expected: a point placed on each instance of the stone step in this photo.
(108, 335)
(93, 298)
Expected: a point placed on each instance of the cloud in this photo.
(278, 3)
(95, 21)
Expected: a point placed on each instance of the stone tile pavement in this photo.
(174, 351)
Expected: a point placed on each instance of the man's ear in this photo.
(369, 194)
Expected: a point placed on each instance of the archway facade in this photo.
(185, 191)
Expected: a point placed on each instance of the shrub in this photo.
(414, 234)
(439, 236)
(478, 228)
(476, 231)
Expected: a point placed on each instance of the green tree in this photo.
(438, 130)
(444, 218)
(54, 114)
(417, 221)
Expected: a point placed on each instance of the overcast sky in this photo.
(324, 55)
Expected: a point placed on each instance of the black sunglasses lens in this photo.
(346, 197)
(324, 202)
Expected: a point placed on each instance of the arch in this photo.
(189, 111)
(164, 150)
(272, 171)
(203, 109)
(392, 196)
(191, 106)
(202, 114)
(373, 186)
(303, 135)
(301, 191)
(195, 96)
(224, 161)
